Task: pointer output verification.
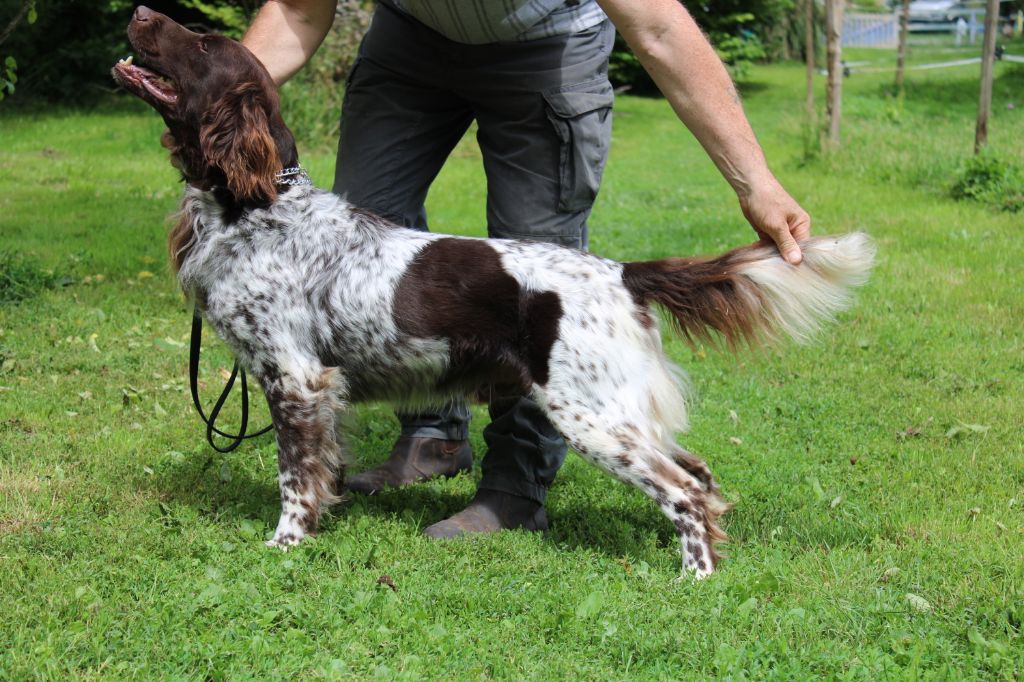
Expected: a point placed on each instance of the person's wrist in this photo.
(754, 182)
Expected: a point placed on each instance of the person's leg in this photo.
(398, 122)
(398, 126)
(544, 139)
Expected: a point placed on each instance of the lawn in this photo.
(877, 474)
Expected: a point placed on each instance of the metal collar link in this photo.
(296, 175)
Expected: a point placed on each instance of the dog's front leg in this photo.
(310, 464)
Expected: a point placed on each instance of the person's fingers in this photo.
(778, 219)
(800, 227)
(788, 247)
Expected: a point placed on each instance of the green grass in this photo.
(877, 474)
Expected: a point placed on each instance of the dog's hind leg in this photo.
(695, 466)
(303, 403)
(686, 494)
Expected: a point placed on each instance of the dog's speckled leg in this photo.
(309, 459)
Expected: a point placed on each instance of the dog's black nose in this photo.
(143, 13)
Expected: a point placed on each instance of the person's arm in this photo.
(286, 33)
(686, 69)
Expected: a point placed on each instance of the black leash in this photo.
(193, 380)
(296, 175)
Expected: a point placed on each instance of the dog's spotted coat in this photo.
(327, 305)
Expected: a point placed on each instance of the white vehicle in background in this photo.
(936, 11)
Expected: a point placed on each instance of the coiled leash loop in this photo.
(193, 380)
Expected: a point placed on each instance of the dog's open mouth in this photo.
(141, 80)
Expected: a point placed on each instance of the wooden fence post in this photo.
(809, 58)
(901, 52)
(988, 53)
(834, 30)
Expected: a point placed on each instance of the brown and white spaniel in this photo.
(329, 305)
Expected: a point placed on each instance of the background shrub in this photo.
(22, 277)
(990, 179)
(67, 52)
(741, 37)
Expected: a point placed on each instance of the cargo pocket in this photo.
(582, 117)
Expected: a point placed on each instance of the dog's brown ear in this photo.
(235, 137)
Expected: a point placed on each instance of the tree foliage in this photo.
(743, 32)
(67, 51)
(66, 55)
(9, 65)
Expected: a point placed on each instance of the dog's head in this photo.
(218, 101)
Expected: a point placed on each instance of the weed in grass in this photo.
(990, 179)
(812, 136)
(22, 277)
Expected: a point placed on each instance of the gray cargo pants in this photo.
(543, 111)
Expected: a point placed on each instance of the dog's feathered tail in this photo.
(751, 295)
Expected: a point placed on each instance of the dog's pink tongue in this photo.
(160, 87)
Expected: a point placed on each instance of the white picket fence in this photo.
(870, 30)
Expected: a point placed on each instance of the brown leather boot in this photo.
(490, 511)
(413, 460)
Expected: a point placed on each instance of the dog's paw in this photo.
(288, 533)
(691, 575)
(283, 543)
